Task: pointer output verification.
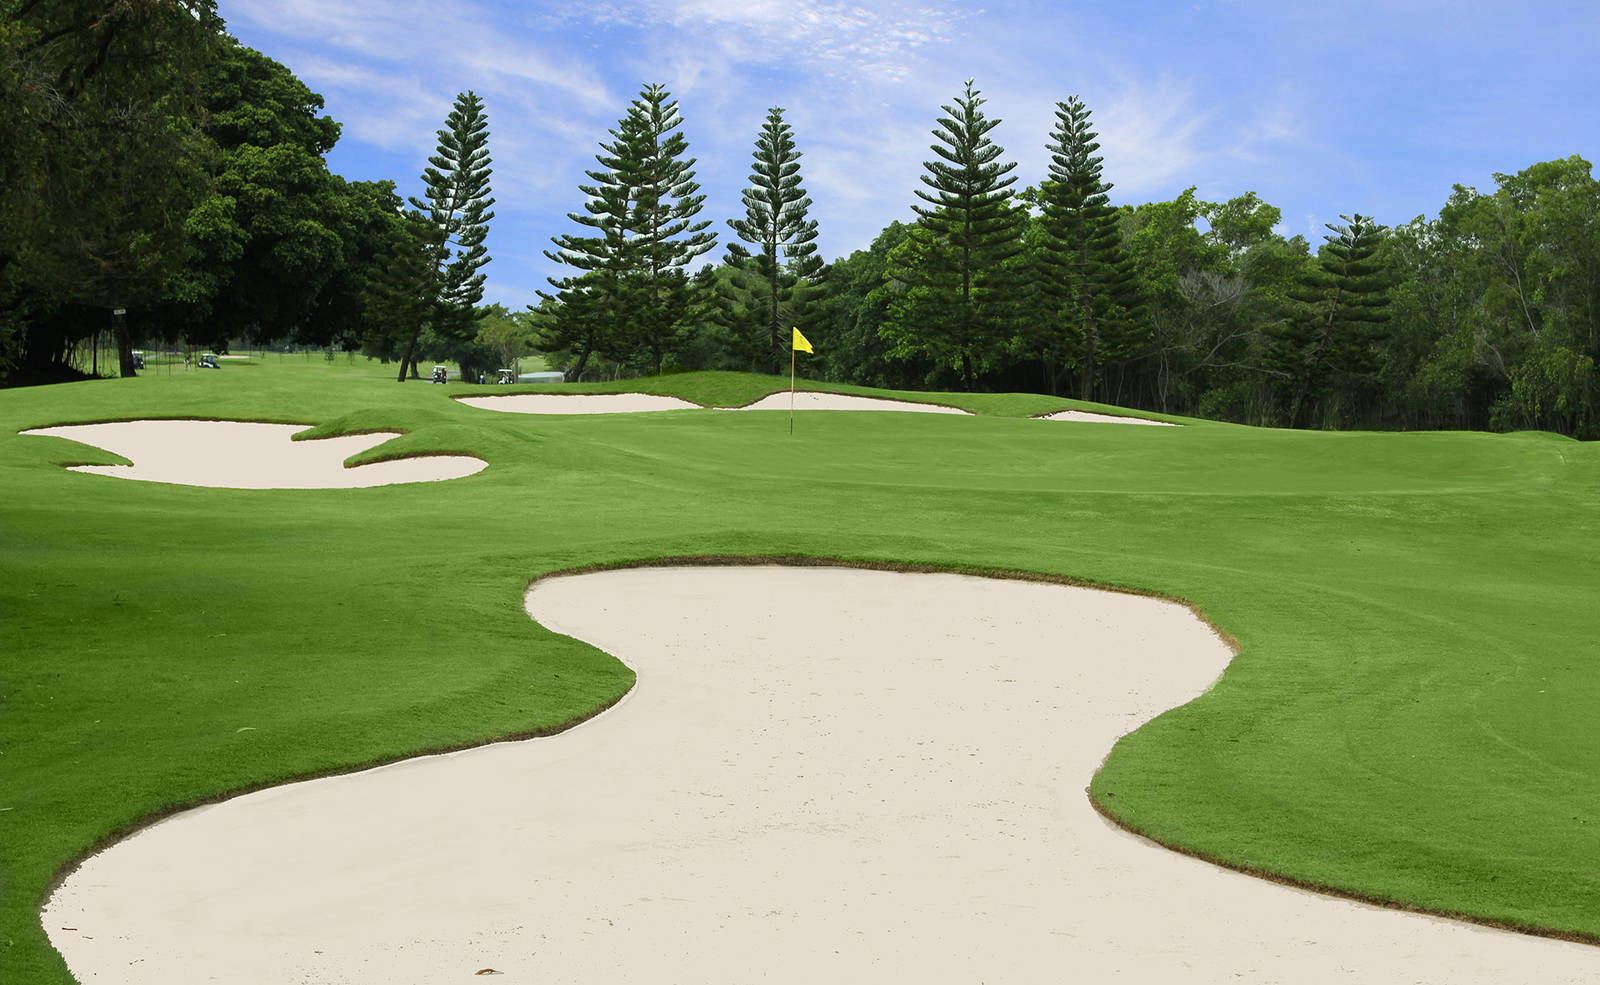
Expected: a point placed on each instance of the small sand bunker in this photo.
(812, 400)
(244, 455)
(579, 403)
(823, 775)
(1089, 417)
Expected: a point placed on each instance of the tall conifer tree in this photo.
(605, 255)
(775, 223)
(1345, 301)
(1087, 278)
(667, 235)
(641, 209)
(456, 204)
(959, 282)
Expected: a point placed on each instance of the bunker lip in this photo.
(234, 454)
(715, 560)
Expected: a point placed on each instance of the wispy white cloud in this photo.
(864, 39)
(444, 37)
(1303, 104)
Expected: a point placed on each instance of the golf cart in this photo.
(138, 359)
(438, 375)
(506, 376)
(208, 360)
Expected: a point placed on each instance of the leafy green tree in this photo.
(456, 203)
(1345, 301)
(775, 223)
(1554, 389)
(955, 283)
(507, 335)
(275, 231)
(1087, 275)
(104, 155)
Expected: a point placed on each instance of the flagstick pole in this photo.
(791, 390)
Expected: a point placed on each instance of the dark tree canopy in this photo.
(1345, 299)
(103, 155)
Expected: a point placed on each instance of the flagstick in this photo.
(791, 390)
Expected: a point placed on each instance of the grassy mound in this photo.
(1409, 718)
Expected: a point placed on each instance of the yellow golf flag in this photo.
(800, 343)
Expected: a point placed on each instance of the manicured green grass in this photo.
(1411, 715)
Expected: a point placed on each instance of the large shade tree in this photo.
(103, 156)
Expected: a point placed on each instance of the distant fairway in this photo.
(1410, 717)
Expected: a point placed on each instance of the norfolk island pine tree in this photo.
(456, 189)
(775, 222)
(958, 301)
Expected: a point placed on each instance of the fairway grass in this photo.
(1409, 718)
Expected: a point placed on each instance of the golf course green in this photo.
(1409, 719)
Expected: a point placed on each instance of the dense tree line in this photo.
(1488, 316)
(155, 165)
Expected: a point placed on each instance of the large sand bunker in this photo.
(578, 403)
(1090, 417)
(242, 455)
(813, 400)
(823, 774)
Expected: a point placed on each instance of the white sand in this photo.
(579, 403)
(1089, 417)
(241, 455)
(811, 400)
(823, 775)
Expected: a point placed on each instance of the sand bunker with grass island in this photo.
(633, 403)
(245, 455)
(822, 775)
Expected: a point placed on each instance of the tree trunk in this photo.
(576, 372)
(124, 346)
(407, 360)
(777, 332)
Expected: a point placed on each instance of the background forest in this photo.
(154, 165)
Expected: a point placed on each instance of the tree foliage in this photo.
(104, 152)
(642, 233)
(776, 224)
(1335, 339)
(1092, 302)
(455, 203)
(953, 278)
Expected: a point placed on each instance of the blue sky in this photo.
(1321, 107)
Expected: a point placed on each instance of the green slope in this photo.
(1409, 717)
